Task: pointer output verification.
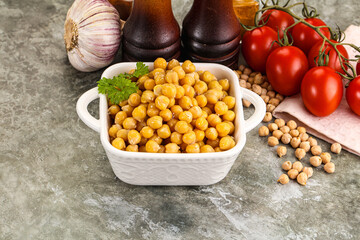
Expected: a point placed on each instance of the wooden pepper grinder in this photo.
(211, 33)
(151, 31)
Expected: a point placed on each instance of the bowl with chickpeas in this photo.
(184, 126)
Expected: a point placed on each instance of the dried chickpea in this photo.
(134, 137)
(118, 143)
(120, 117)
(211, 133)
(305, 145)
(294, 133)
(206, 149)
(316, 150)
(286, 138)
(273, 141)
(293, 173)
(304, 137)
(263, 131)
(268, 117)
(281, 151)
(312, 141)
(247, 71)
(291, 124)
(271, 94)
(186, 116)
(300, 153)
(285, 129)
(325, 157)
(302, 178)
(155, 122)
(189, 137)
(280, 97)
(226, 143)
(295, 142)
(298, 166)
(129, 123)
(336, 148)
(277, 133)
(188, 66)
(280, 122)
(301, 130)
(176, 138)
(283, 179)
(256, 89)
(265, 98)
(287, 165)
(193, 148)
(201, 123)
(147, 132)
(315, 161)
(242, 83)
(132, 148)
(164, 131)
(309, 171)
(246, 103)
(272, 127)
(274, 101)
(329, 167)
(182, 127)
(113, 110)
(152, 146)
(270, 108)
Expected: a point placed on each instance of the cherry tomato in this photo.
(257, 45)
(285, 69)
(358, 68)
(334, 62)
(321, 91)
(277, 20)
(305, 37)
(353, 95)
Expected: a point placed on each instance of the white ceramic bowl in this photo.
(141, 168)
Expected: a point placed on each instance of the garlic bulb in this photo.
(92, 34)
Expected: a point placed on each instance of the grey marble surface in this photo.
(56, 181)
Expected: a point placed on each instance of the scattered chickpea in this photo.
(286, 138)
(304, 137)
(265, 98)
(302, 178)
(336, 148)
(273, 141)
(246, 103)
(315, 161)
(270, 107)
(280, 97)
(280, 122)
(285, 129)
(268, 117)
(271, 93)
(295, 142)
(329, 167)
(309, 171)
(300, 153)
(301, 130)
(297, 166)
(312, 141)
(305, 145)
(281, 151)
(316, 150)
(293, 173)
(291, 124)
(272, 127)
(256, 89)
(263, 131)
(294, 133)
(283, 179)
(287, 165)
(325, 157)
(274, 101)
(278, 134)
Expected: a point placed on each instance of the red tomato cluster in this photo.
(295, 69)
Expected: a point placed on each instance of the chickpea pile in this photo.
(296, 136)
(259, 84)
(176, 110)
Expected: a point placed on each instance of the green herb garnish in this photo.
(119, 88)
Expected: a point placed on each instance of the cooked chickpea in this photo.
(188, 66)
(206, 149)
(134, 137)
(295, 142)
(162, 102)
(278, 134)
(132, 148)
(129, 123)
(201, 123)
(200, 87)
(155, 122)
(286, 138)
(226, 143)
(305, 145)
(298, 166)
(173, 63)
(211, 133)
(207, 76)
(293, 173)
(118, 143)
(225, 84)
(189, 91)
(182, 127)
(120, 117)
(281, 151)
(267, 117)
(139, 113)
(113, 131)
(291, 124)
(316, 150)
(272, 127)
(221, 108)
(193, 148)
(213, 96)
(196, 112)
(168, 90)
(156, 138)
(185, 102)
(200, 135)
(147, 132)
(325, 157)
(273, 141)
(280, 122)
(229, 116)
(123, 133)
(283, 179)
(164, 131)
(134, 100)
(300, 153)
(263, 131)
(302, 178)
(147, 96)
(223, 129)
(186, 116)
(213, 120)
(176, 138)
(315, 161)
(188, 79)
(287, 165)
(113, 110)
(166, 114)
(202, 100)
(152, 146)
(336, 148)
(232, 127)
(180, 72)
(159, 78)
(329, 167)
(309, 171)
(160, 63)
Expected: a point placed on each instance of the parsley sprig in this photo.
(120, 87)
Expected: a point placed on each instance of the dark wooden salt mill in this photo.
(211, 33)
(151, 31)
